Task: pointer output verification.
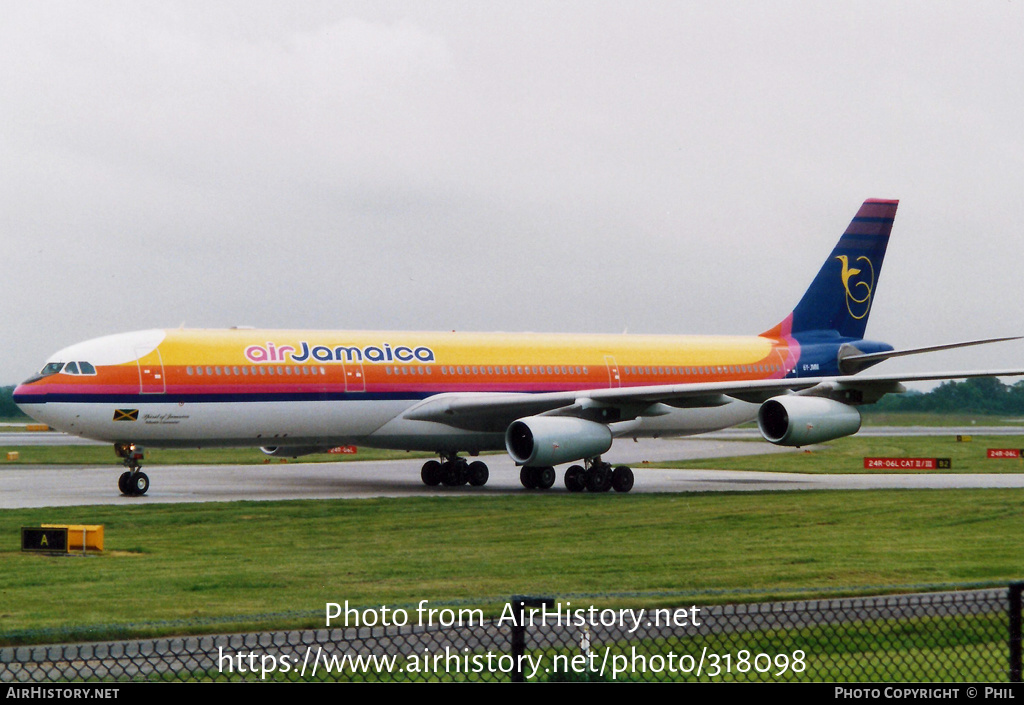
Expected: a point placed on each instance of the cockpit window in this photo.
(51, 369)
(79, 367)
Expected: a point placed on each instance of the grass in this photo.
(846, 455)
(924, 418)
(104, 455)
(216, 564)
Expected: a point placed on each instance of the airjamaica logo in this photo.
(859, 282)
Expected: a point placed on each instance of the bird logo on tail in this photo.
(858, 285)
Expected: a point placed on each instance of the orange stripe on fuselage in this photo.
(232, 361)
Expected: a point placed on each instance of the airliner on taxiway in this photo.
(545, 399)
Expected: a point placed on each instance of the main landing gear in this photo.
(133, 482)
(453, 471)
(598, 476)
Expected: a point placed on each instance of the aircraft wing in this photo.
(495, 411)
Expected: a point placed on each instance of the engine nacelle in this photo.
(801, 421)
(292, 451)
(550, 440)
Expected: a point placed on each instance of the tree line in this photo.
(978, 395)
(7, 408)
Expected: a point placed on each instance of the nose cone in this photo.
(30, 398)
(21, 394)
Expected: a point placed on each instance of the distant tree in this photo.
(977, 395)
(7, 408)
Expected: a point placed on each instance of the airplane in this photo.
(545, 399)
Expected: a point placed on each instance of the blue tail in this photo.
(840, 297)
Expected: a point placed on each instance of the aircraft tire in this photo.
(431, 473)
(452, 473)
(622, 479)
(528, 477)
(478, 473)
(599, 478)
(122, 482)
(545, 478)
(138, 484)
(575, 479)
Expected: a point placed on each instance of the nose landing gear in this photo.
(133, 482)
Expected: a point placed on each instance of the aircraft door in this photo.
(355, 381)
(151, 372)
(614, 380)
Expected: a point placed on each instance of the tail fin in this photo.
(839, 299)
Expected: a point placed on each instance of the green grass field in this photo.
(214, 567)
(104, 455)
(222, 565)
(846, 455)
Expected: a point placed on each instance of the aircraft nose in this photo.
(26, 393)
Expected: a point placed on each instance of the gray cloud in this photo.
(669, 167)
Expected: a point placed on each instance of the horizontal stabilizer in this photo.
(856, 361)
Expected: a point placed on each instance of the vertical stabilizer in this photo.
(840, 297)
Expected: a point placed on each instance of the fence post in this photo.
(519, 630)
(1015, 651)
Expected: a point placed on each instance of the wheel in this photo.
(122, 482)
(622, 479)
(138, 484)
(599, 478)
(478, 474)
(574, 479)
(528, 477)
(453, 473)
(545, 478)
(431, 473)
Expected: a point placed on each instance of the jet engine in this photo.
(292, 451)
(550, 440)
(800, 421)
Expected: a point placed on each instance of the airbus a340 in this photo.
(545, 399)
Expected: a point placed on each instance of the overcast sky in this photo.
(673, 167)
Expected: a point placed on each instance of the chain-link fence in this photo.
(970, 635)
